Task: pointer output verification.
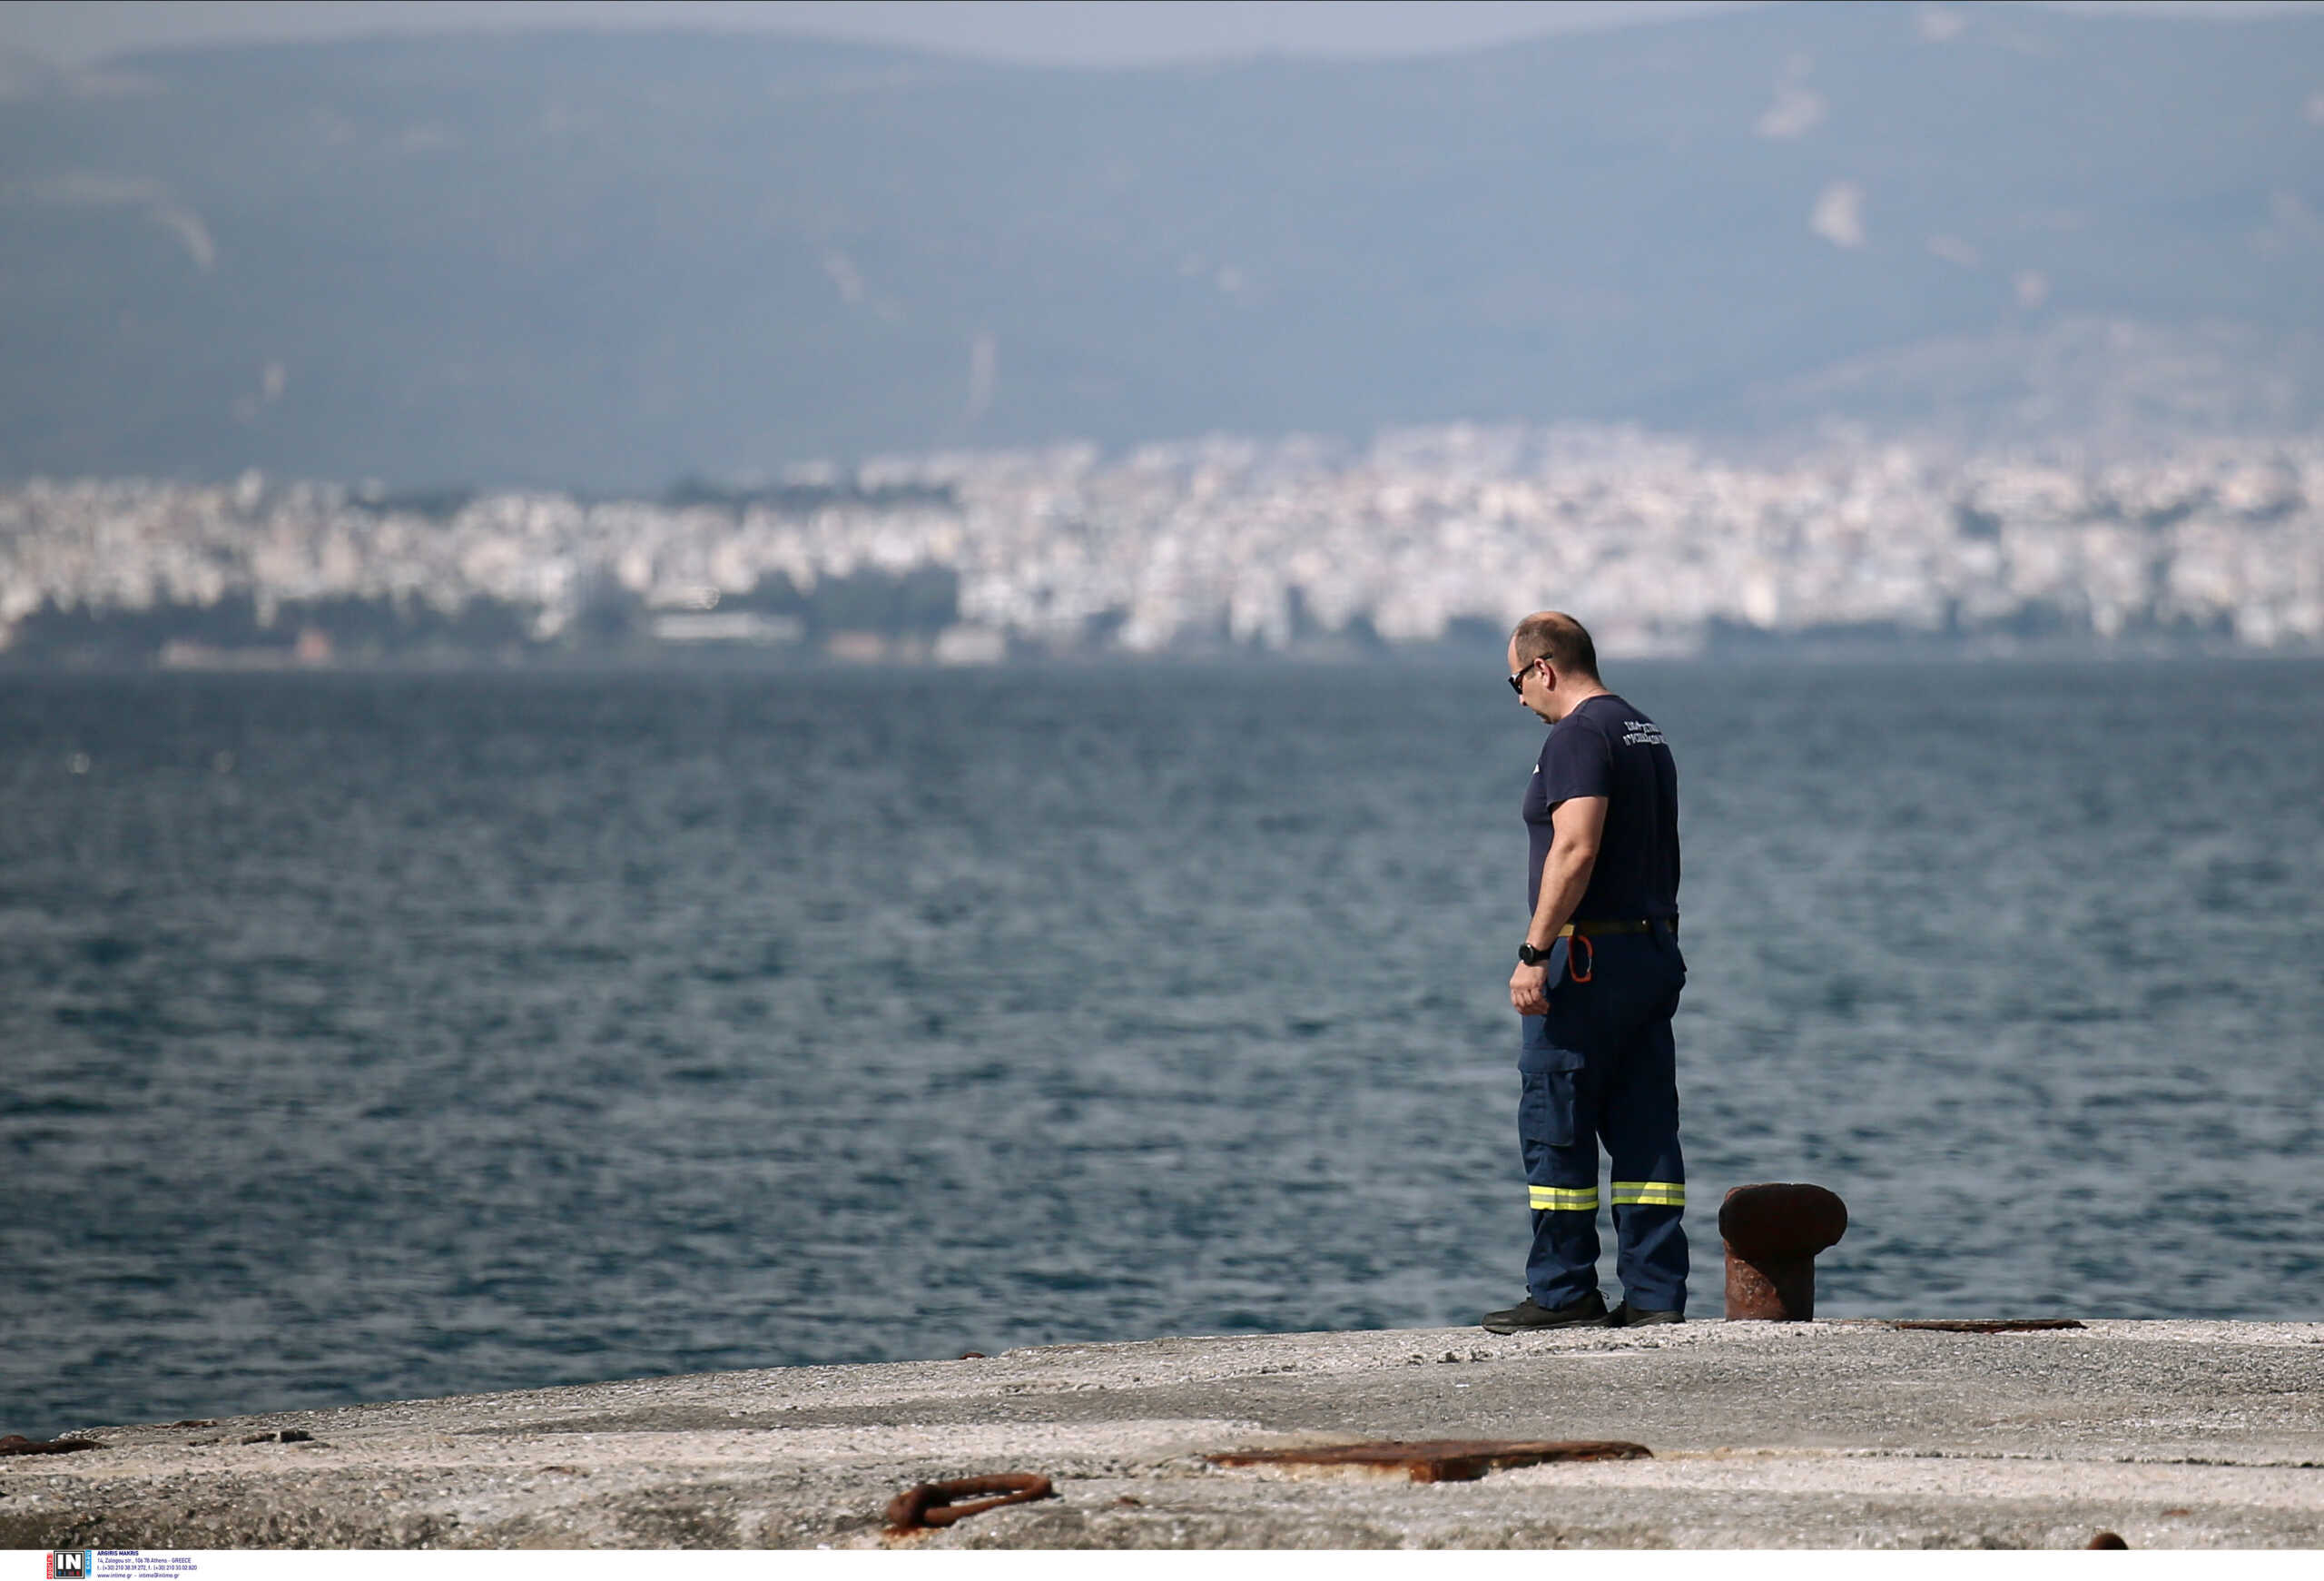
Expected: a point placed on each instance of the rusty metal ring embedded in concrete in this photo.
(1987, 1325)
(1440, 1459)
(17, 1444)
(931, 1503)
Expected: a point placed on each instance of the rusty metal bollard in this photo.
(1773, 1233)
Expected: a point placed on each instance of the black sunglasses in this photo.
(1517, 681)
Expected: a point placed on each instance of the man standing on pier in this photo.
(1596, 980)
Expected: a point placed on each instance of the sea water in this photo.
(394, 1036)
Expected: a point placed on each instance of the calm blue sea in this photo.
(375, 1036)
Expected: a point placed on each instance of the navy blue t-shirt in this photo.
(1605, 747)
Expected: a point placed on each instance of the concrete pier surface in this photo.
(1834, 1434)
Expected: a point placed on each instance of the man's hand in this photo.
(1529, 990)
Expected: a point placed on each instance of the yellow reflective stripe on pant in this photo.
(1564, 1199)
(1651, 1193)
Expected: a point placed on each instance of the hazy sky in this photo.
(1064, 32)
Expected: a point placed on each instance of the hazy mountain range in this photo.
(610, 261)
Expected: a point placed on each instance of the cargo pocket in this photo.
(1545, 1110)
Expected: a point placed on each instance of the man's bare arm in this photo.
(1576, 826)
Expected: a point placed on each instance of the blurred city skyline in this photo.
(1933, 325)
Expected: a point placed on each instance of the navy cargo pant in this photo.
(1600, 1065)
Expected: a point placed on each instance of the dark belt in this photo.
(1587, 926)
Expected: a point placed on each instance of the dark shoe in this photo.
(1590, 1312)
(1629, 1317)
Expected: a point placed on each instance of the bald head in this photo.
(1552, 634)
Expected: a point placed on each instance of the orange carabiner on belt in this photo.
(1576, 948)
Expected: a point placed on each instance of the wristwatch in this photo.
(1528, 956)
